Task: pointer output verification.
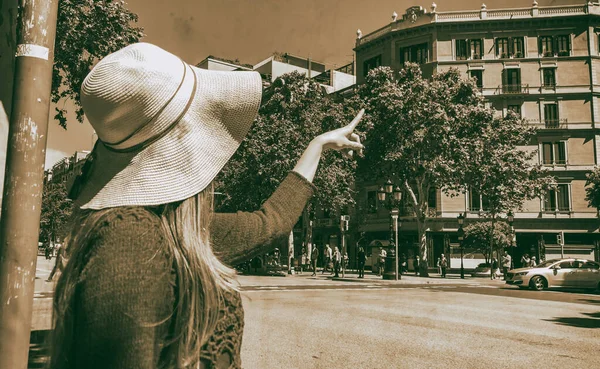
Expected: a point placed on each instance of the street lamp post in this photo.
(513, 236)
(390, 196)
(461, 235)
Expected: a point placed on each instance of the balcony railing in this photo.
(513, 89)
(549, 124)
(482, 15)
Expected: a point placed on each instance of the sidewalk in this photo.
(351, 276)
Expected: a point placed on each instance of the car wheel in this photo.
(538, 283)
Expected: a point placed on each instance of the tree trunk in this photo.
(492, 248)
(422, 232)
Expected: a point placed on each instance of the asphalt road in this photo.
(436, 326)
(306, 322)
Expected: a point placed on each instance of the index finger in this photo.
(356, 119)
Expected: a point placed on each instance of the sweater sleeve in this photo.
(126, 295)
(241, 236)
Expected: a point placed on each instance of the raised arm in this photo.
(241, 236)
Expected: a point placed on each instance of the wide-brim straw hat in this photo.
(165, 128)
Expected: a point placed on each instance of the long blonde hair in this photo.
(201, 279)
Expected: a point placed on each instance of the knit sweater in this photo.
(125, 298)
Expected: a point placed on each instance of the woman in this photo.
(146, 283)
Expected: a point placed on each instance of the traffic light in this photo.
(559, 239)
(344, 222)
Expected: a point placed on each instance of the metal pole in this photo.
(343, 253)
(462, 267)
(396, 228)
(19, 226)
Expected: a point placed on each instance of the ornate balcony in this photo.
(512, 89)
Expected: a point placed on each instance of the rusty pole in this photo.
(26, 152)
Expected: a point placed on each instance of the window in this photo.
(546, 46)
(551, 116)
(478, 202)
(558, 199)
(371, 63)
(432, 198)
(563, 45)
(416, 54)
(555, 45)
(510, 47)
(516, 47)
(515, 109)
(476, 49)
(469, 49)
(512, 81)
(549, 77)
(372, 202)
(478, 76)
(502, 47)
(554, 153)
(461, 50)
(590, 265)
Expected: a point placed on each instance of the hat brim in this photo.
(186, 159)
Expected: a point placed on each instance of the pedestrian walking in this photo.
(327, 254)
(439, 265)
(525, 261)
(337, 261)
(403, 265)
(494, 268)
(313, 259)
(382, 256)
(49, 250)
(533, 262)
(362, 258)
(443, 265)
(506, 262)
(146, 284)
(302, 263)
(416, 264)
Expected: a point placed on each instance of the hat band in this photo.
(168, 129)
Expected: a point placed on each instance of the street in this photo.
(316, 322)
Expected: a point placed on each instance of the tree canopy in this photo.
(437, 133)
(56, 211)
(478, 234)
(592, 190)
(294, 111)
(86, 31)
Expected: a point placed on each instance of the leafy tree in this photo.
(592, 190)
(56, 211)
(477, 236)
(438, 134)
(86, 31)
(502, 174)
(293, 112)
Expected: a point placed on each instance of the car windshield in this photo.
(547, 263)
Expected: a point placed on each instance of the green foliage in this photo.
(56, 211)
(293, 112)
(437, 133)
(501, 172)
(87, 30)
(477, 236)
(592, 190)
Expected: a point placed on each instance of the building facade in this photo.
(540, 62)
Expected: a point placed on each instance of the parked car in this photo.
(482, 270)
(567, 273)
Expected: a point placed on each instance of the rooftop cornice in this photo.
(417, 16)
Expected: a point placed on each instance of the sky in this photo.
(251, 30)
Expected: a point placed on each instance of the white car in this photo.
(567, 273)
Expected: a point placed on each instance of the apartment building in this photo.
(541, 62)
